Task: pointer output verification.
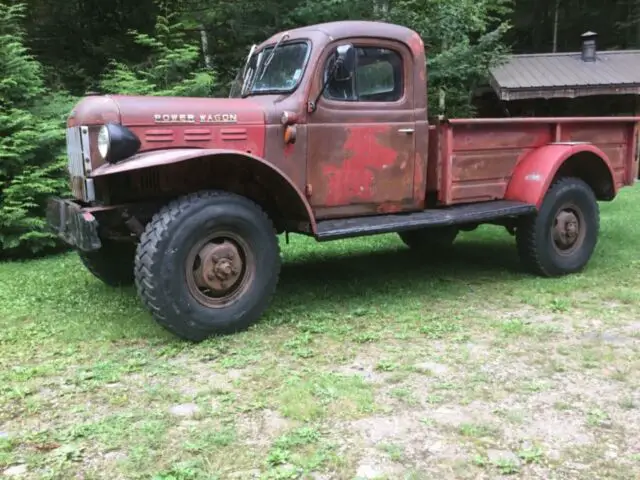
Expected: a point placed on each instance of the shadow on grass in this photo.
(348, 275)
(396, 271)
(331, 278)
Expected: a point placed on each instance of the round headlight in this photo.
(103, 141)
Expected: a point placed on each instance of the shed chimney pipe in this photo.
(589, 46)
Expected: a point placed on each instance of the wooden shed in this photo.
(588, 82)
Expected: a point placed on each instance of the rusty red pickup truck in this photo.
(326, 133)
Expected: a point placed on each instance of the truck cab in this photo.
(326, 133)
(359, 102)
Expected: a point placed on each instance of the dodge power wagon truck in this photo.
(326, 134)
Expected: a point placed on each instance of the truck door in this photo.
(361, 137)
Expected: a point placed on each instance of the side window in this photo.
(378, 77)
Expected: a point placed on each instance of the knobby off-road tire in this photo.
(562, 236)
(207, 263)
(425, 239)
(112, 263)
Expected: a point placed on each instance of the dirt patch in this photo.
(259, 429)
(535, 419)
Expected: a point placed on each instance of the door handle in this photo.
(405, 130)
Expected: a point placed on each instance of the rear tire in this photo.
(112, 264)
(424, 239)
(207, 263)
(561, 238)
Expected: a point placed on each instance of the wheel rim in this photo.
(568, 230)
(219, 269)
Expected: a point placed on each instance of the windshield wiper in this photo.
(245, 80)
(273, 52)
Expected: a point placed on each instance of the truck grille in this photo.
(74, 152)
(78, 153)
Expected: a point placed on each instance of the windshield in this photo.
(272, 70)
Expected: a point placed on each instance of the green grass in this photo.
(330, 379)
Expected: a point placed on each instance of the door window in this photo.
(378, 77)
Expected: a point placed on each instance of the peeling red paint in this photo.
(533, 175)
(248, 139)
(483, 159)
(357, 177)
(389, 208)
(416, 44)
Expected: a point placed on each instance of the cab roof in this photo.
(351, 28)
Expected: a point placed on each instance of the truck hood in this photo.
(137, 111)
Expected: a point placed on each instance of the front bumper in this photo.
(74, 226)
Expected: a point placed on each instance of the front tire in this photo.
(207, 263)
(561, 238)
(112, 263)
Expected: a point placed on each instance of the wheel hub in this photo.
(566, 229)
(219, 268)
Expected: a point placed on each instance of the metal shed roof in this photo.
(566, 75)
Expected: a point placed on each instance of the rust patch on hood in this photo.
(92, 110)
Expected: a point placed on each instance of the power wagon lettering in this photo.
(190, 118)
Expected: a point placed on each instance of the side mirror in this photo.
(343, 68)
(345, 62)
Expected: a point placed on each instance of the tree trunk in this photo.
(204, 41)
(442, 94)
(637, 20)
(556, 11)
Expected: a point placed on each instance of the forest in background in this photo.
(52, 52)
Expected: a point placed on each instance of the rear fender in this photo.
(278, 178)
(534, 174)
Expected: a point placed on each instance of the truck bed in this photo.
(471, 160)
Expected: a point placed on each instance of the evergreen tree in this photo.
(464, 39)
(173, 66)
(31, 141)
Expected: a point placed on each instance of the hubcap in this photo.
(219, 269)
(567, 232)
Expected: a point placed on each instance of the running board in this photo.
(335, 229)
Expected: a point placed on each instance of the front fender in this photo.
(156, 158)
(166, 157)
(533, 175)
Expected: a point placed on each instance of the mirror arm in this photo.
(313, 104)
